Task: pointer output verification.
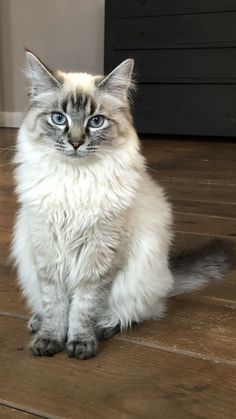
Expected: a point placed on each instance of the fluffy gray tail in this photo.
(195, 268)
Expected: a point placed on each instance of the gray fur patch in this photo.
(193, 269)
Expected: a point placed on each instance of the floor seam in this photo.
(24, 409)
(141, 342)
(14, 315)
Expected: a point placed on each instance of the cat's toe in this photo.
(82, 348)
(42, 346)
(107, 333)
(35, 323)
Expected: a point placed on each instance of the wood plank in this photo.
(184, 240)
(133, 8)
(125, 380)
(8, 136)
(212, 226)
(180, 66)
(173, 159)
(200, 171)
(11, 300)
(11, 413)
(204, 208)
(6, 172)
(193, 326)
(197, 158)
(199, 192)
(201, 148)
(188, 146)
(184, 31)
(202, 176)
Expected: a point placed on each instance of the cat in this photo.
(93, 233)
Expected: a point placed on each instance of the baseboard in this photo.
(11, 119)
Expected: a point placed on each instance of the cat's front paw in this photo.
(82, 347)
(46, 346)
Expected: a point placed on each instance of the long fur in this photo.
(194, 268)
(92, 236)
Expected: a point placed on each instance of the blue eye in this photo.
(58, 118)
(96, 121)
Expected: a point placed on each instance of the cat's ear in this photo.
(118, 82)
(41, 78)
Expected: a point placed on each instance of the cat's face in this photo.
(76, 114)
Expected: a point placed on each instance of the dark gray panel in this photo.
(132, 8)
(185, 62)
(186, 109)
(191, 31)
(181, 66)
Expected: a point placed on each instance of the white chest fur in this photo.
(74, 216)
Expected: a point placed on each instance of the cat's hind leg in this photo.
(106, 333)
(135, 296)
(35, 323)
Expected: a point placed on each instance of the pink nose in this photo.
(76, 143)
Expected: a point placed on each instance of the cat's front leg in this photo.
(82, 341)
(51, 336)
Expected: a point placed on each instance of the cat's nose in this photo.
(76, 143)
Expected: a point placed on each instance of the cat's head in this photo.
(76, 114)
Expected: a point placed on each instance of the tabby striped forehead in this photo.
(78, 91)
(79, 101)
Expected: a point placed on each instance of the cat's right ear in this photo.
(41, 78)
(119, 82)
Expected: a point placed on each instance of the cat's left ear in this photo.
(118, 82)
(41, 78)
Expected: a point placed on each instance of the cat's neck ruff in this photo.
(109, 181)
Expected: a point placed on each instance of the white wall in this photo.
(66, 34)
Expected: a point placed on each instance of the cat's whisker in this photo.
(151, 169)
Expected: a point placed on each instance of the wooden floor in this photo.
(183, 366)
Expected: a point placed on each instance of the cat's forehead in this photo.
(78, 101)
(72, 82)
(78, 92)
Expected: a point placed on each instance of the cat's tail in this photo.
(192, 269)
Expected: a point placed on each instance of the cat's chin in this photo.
(77, 155)
(73, 156)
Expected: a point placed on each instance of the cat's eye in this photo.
(58, 118)
(96, 121)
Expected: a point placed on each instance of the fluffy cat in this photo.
(93, 232)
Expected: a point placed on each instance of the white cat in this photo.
(92, 236)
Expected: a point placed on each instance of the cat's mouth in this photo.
(78, 153)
